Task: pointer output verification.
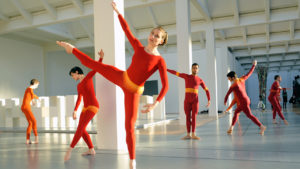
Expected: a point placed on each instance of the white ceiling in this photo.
(267, 30)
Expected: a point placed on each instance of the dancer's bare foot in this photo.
(229, 131)
(274, 121)
(68, 154)
(188, 136)
(285, 122)
(194, 137)
(89, 152)
(262, 130)
(68, 47)
(132, 164)
(36, 141)
(28, 142)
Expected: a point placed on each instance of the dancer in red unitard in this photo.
(239, 89)
(274, 99)
(191, 101)
(26, 109)
(145, 61)
(86, 91)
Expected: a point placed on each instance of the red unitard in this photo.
(86, 91)
(26, 109)
(143, 65)
(191, 102)
(273, 99)
(239, 89)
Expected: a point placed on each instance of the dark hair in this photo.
(164, 36)
(276, 76)
(76, 69)
(195, 64)
(34, 81)
(231, 74)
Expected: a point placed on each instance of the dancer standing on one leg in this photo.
(86, 91)
(239, 89)
(274, 99)
(191, 102)
(145, 61)
(26, 109)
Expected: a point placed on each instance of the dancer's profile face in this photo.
(36, 85)
(231, 79)
(156, 37)
(75, 76)
(279, 79)
(195, 69)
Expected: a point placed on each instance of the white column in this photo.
(184, 49)
(223, 68)
(110, 37)
(212, 70)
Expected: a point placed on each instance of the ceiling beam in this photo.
(267, 33)
(221, 34)
(86, 30)
(292, 29)
(3, 17)
(58, 31)
(79, 5)
(27, 16)
(267, 10)
(153, 18)
(236, 15)
(142, 4)
(49, 8)
(244, 34)
(202, 8)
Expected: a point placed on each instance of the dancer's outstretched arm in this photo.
(132, 39)
(182, 75)
(245, 77)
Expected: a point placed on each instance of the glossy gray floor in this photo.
(245, 149)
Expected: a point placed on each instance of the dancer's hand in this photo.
(208, 103)
(101, 54)
(74, 115)
(114, 6)
(68, 47)
(33, 102)
(254, 62)
(224, 103)
(149, 107)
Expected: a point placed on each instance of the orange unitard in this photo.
(26, 109)
(239, 89)
(86, 91)
(191, 101)
(132, 80)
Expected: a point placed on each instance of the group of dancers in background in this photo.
(145, 61)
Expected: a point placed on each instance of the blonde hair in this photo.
(164, 36)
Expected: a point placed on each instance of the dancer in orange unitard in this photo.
(26, 109)
(145, 61)
(239, 89)
(274, 99)
(191, 101)
(86, 91)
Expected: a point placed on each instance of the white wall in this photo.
(20, 62)
(58, 82)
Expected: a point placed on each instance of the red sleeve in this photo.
(182, 75)
(228, 93)
(133, 40)
(206, 90)
(245, 77)
(162, 67)
(78, 101)
(33, 96)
